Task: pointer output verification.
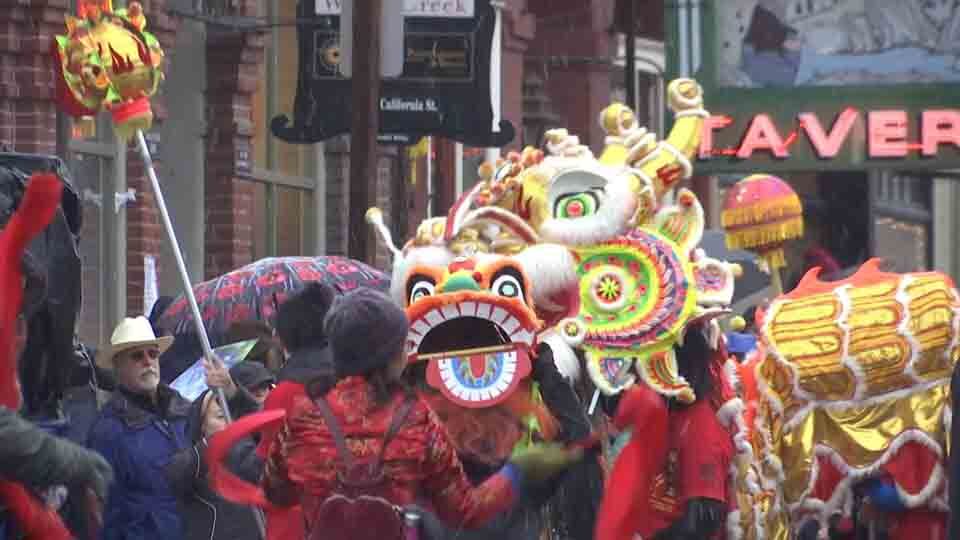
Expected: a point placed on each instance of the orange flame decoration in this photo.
(120, 64)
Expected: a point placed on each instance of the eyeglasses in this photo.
(142, 354)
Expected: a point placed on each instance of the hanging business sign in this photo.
(817, 139)
(443, 90)
(822, 85)
(411, 8)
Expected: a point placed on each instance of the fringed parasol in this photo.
(761, 213)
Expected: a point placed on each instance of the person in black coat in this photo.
(205, 514)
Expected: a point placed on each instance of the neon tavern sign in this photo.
(887, 134)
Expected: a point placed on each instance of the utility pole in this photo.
(630, 46)
(366, 125)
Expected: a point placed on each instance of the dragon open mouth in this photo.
(477, 349)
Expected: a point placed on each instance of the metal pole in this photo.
(184, 277)
(631, 52)
(496, 75)
(188, 289)
(366, 124)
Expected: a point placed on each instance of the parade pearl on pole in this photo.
(108, 61)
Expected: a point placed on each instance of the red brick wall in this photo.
(337, 226)
(27, 110)
(144, 229)
(579, 91)
(518, 31)
(28, 113)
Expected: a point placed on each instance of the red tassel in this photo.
(34, 214)
(625, 508)
(230, 486)
(35, 520)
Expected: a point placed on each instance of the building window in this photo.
(284, 174)
(92, 154)
(649, 81)
(902, 215)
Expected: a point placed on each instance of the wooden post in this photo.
(366, 125)
(630, 49)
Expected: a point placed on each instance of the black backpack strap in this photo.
(334, 425)
(399, 418)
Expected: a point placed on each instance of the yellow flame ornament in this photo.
(107, 61)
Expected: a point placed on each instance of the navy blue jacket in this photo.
(140, 439)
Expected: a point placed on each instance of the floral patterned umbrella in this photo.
(255, 290)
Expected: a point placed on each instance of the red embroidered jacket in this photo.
(420, 463)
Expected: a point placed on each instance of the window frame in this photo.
(311, 239)
(112, 226)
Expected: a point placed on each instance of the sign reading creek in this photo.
(412, 8)
(443, 90)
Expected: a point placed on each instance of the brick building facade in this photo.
(231, 131)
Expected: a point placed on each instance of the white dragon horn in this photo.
(375, 218)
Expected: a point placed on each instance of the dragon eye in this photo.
(420, 288)
(508, 283)
(576, 205)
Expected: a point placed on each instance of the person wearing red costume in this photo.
(28, 455)
(369, 416)
(300, 329)
(681, 460)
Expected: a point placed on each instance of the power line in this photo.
(240, 23)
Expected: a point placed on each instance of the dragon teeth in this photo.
(434, 317)
(483, 310)
(450, 311)
(468, 309)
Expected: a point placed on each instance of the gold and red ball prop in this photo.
(107, 61)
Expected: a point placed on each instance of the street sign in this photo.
(443, 88)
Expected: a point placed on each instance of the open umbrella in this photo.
(255, 290)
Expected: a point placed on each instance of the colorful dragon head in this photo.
(473, 322)
(570, 197)
(609, 245)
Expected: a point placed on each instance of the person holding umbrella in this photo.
(140, 430)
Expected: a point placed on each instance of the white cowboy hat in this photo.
(131, 333)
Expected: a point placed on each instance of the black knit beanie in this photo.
(366, 330)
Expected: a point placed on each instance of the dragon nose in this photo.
(460, 281)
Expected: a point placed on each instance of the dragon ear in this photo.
(659, 370)
(683, 222)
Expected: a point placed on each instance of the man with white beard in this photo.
(140, 430)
